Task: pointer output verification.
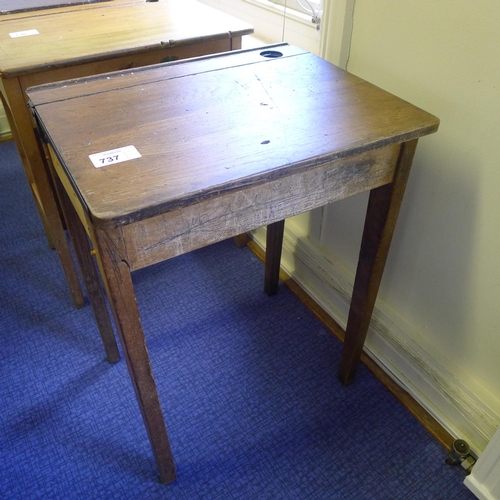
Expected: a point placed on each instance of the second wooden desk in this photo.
(81, 40)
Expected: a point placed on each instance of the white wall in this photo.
(436, 327)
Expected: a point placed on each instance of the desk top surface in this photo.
(14, 6)
(213, 125)
(35, 41)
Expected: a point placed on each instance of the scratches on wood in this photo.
(212, 220)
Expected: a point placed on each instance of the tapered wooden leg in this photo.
(90, 275)
(382, 213)
(47, 195)
(28, 173)
(274, 245)
(36, 171)
(241, 240)
(118, 281)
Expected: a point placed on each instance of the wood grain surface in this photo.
(78, 40)
(116, 28)
(49, 10)
(210, 132)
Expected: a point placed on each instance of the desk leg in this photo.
(381, 216)
(42, 189)
(118, 281)
(274, 245)
(90, 275)
(241, 240)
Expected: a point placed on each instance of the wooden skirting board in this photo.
(420, 413)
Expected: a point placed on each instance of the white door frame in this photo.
(336, 31)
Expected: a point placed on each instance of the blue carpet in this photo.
(248, 386)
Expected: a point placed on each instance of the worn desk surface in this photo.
(74, 36)
(81, 40)
(228, 143)
(236, 127)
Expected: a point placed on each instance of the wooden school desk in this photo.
(187, 154)
(73, 41)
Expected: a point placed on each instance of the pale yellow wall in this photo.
(4, 125)
(443, 274)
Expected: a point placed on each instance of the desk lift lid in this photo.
(214, 124)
